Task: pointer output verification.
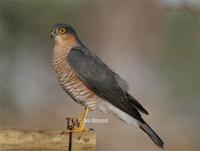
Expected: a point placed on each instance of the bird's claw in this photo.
(75, 125)
(75, 129)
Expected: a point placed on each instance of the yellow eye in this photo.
(62, 30)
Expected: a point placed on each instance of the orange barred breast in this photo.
(72, 84)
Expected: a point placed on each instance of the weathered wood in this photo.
(21, 140)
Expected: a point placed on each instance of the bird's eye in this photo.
(62, 30)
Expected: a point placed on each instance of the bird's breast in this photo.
(72, 84)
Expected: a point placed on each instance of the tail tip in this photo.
(160, 144)
(155, 138)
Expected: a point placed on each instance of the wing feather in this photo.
(102, 80)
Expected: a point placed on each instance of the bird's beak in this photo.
(53, 34)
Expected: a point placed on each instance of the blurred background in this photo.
(152, 44)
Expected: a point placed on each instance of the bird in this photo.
(93, 84)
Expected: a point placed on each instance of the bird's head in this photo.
(63, 32)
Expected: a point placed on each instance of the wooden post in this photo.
(21, 140)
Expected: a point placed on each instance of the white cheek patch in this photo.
(58, 39)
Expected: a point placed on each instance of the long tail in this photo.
(135, 119)
(150, 132)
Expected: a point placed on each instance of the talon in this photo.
(77, 124)
(80, 129)
(64, 132)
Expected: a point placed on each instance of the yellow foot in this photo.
(77, 124)
(79, 129)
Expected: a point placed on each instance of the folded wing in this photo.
(98, 77)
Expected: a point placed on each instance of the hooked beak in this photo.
(53, 34)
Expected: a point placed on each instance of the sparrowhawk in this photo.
(90, 82)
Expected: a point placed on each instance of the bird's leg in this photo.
(82, 121)
(77, 124)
